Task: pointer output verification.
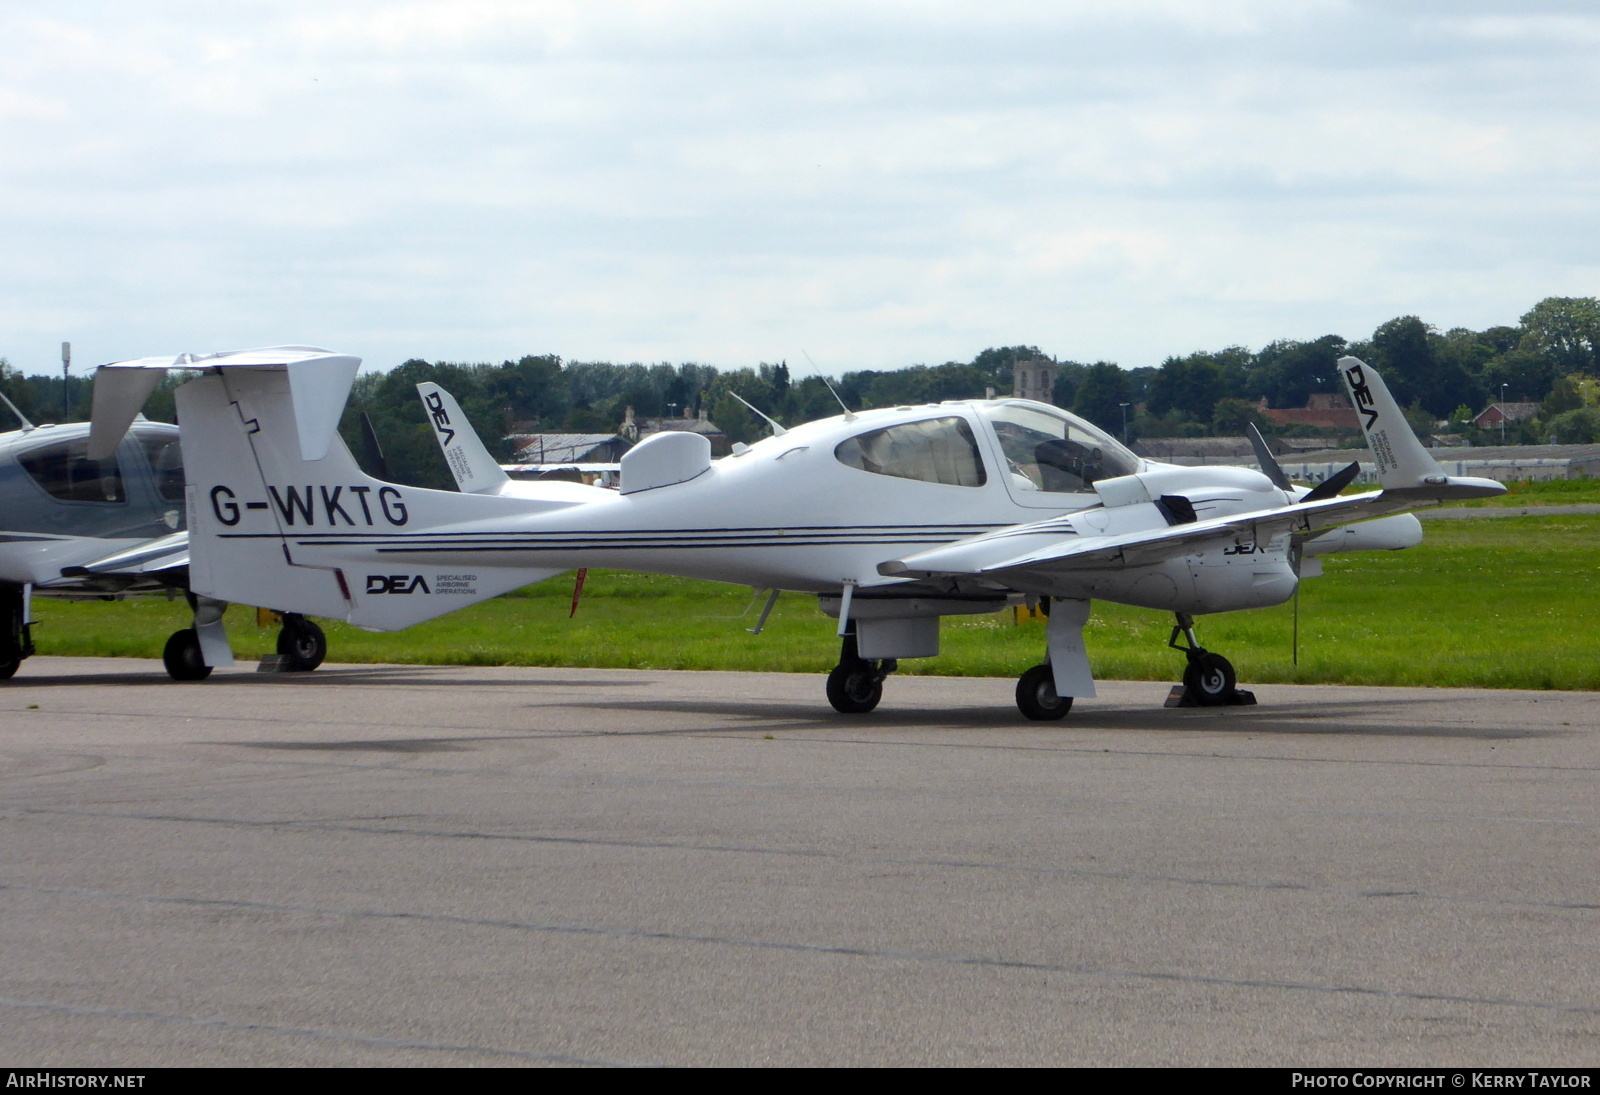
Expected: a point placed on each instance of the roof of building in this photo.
(679, 425)
(1511, 412)
(558, 448)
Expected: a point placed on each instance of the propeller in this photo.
(1269, 463)
(1331, 486)
(1326, 489)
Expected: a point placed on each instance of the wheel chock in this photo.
(1179, 697)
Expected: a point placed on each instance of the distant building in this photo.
(1505, 412)
(1321, 409)
(1219, 450)
(637, 429)
(1034, 379)
(1511, 463)
(568, 448)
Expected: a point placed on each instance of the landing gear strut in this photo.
(1046, 691)
(1208, 679)
(856, 685)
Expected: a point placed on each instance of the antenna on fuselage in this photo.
(777, 430)
(849, 415)
(26, 425)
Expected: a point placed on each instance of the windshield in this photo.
(1053, 452)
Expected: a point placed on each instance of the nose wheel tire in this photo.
(1036, 695)
(182, 657)
(1209, 679)
(302, 644)
(8, 668)
(854, 688)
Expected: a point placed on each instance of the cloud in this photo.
(880, 183)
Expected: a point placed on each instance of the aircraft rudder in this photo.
(1400, 458)
(474, 470)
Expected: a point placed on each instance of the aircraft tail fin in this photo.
(270, 525)
(1404, 466)
(475, 471)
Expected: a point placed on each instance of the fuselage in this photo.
(814, 509)
(60, 509)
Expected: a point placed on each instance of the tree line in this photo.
(1550, 357)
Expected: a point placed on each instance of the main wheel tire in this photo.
(1210, 679)
(8, 668)
(854, 688)
(1036, 695)
(182, 657)
(302, 644)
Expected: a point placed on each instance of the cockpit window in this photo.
(166, 463)
(1054, 454)
(65, 471)
(936, 450)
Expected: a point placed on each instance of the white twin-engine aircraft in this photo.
(893, 518)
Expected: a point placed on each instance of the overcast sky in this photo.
(879, 184)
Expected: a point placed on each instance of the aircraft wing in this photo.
(151, 557)
(1063, 549)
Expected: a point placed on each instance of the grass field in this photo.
(1503, 603)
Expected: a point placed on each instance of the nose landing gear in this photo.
(1208, 679)
(856, 684)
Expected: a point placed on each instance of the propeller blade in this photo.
(1268, 462)
(372, 450)
(1331, 486)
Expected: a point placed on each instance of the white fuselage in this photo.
(811, 510)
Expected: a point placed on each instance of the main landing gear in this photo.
(1046, 691)
(1036, 695)
(192, 653)
(183, 657)
(1208, 679)
(856, 685)
(301, 644)
(16, 638)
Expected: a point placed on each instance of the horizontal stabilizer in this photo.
(319, 384)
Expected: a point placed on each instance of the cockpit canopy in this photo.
(1051, 451)
(1046, 450)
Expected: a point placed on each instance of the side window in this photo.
(937, 450)
(65, 471)
(166, 464)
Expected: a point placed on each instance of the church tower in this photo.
(1034, 379)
